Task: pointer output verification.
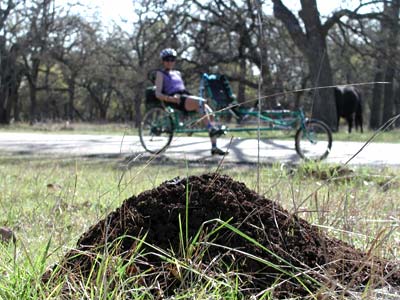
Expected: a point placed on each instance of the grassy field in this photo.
(50, 203)
(73, 128)
(391, 136)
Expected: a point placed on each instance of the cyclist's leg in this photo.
(208, 121)
(190, 104)
(205, 110)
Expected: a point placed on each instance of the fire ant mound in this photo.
(230, 228)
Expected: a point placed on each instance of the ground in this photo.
(262, 241)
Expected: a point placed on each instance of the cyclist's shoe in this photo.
(217, 131)
(217, 151)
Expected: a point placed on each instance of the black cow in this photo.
(349, 106)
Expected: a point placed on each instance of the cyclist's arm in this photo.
(159, 93)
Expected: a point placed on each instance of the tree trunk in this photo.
(391, 25)
(312, 43)
(16, 109)
(16, 83)
(10, 80)
(71, 99)
(323, 106)
(33, 80)
(138, 112)
(4, 78)
(241, 94)
(33, 105)
(4, 118)
(388, 100)
(397, 105)
(376, 105)
(382, 108)
(103, 114)
(4, 99)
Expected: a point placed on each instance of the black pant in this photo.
(181, 104)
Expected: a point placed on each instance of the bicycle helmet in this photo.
(168, 52)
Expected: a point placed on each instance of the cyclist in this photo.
(171, 88)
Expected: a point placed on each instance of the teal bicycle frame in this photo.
(275, 119)
(160, 124)
(278, 120)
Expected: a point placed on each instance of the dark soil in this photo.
(293, 244)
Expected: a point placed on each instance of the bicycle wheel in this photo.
(156, 130)
(313, 141)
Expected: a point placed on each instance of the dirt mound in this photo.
(283, 244)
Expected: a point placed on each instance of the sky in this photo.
(113, 10)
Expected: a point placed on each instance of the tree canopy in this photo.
(57, 65)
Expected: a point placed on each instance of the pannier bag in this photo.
(150, 96)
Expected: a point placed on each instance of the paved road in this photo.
(190, 148)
